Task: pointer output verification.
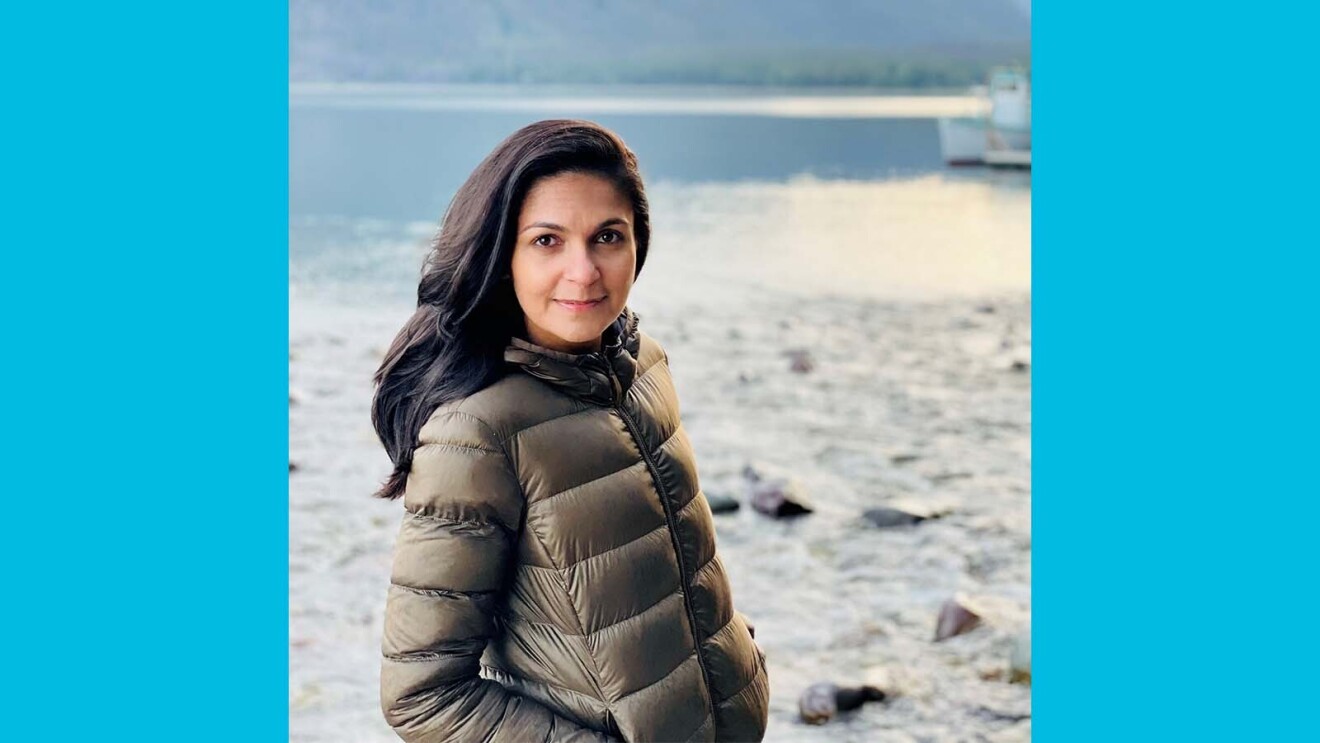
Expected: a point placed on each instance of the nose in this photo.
(581, 268)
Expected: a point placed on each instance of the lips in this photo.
(573, 304)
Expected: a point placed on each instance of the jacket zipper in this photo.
(671, 520)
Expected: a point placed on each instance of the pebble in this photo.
(800, 361)
(999, 715)
(775, 494)
(884, 517)
(722, 503)
(955, 619)
(822, 701)
(780, 498)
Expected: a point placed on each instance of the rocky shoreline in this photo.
(918, 407)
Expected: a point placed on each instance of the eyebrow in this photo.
(553, 226)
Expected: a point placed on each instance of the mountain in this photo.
(834, 42)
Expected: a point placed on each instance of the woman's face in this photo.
(573, 260)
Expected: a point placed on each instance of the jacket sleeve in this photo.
(462, 507)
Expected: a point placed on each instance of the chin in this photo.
(577, 334)
(579, 329)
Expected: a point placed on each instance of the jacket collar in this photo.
(601, 377)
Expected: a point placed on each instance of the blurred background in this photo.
(847, 314)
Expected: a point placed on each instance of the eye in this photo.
(545, 241)
(609, 237)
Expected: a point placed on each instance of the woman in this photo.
(555, 575)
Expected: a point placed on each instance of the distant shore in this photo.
(726, 100)
(305, 87)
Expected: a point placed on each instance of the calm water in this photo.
(816, 199)
(780, 222)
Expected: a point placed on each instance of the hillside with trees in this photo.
(887, 43)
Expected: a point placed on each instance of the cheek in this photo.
(528, 278)
(622, 268)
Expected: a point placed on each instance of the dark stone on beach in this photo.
(1020, 366)
(994, 715)
(292, 466)
(884, 517)
(722, 503)
(822, 701)
(904, 458)
(986, 309)
(955, 619)
(776, 494)
(780, 498)
(850, 698)
(800, 361)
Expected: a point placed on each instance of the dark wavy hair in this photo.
(453, 345)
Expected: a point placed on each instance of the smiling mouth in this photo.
(580, 304)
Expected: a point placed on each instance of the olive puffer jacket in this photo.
(555, 576)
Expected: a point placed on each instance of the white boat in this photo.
(1003, 138)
